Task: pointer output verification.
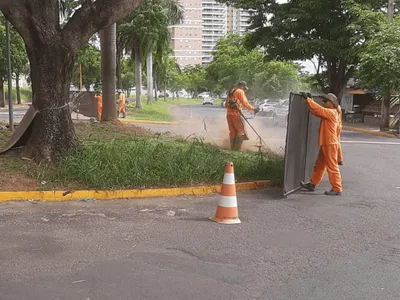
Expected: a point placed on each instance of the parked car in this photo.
(204, 95)
(280, 114)
(268, 106)
(208, 100)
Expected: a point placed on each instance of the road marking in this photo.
(369, 142)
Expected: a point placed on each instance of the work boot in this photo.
(333, 193)
(239, 142)
(308, 186)
(340, 163)
(233, 142)
(124, 115)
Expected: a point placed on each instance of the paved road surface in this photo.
(209, 122)
(308, 246)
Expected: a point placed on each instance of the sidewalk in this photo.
(16, 106)
(364, 128)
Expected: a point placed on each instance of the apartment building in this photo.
(187, 38)
(205, 22)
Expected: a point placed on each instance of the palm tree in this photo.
(174, 12)
(144, 31)
(108, 71)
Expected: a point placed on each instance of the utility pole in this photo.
(10, 103)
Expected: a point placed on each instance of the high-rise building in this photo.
(214, 26)
(238, 20)
(205, 22)
(187, 38)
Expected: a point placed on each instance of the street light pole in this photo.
(10, 103)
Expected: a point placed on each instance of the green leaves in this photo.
(90, 59)
(380, 60)
(19, 59)
(333, 30)
(232, 62)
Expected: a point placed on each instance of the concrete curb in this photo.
(60, 196)
(385, 134)
(148, 122)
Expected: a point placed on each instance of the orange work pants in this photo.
(327, 160)
(236, 126)
(99, 111)
(121, 108)
(340, 154)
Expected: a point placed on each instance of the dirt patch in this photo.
(13, 182)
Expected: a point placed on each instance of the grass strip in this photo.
(159, 110)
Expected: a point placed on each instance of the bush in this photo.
(26, 93)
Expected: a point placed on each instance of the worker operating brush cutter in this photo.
(328, 142)
(234, 102)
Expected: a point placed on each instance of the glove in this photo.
(256, 110)
(305, 95)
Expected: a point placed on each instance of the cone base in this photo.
(225, 221)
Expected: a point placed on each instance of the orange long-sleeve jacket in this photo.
(340, 115)
(329, 123)
(240, 96)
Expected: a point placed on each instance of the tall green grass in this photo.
(149, 163)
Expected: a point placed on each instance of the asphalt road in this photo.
(18, 114)
(308, 246)
(209, 123)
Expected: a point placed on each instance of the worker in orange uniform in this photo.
(340, 154)
(121, 104)
(99, 99)
(234, 102)
(328, 142)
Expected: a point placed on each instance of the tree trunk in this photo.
(2, 103)
(385, 112)
(155, 86)
(108, 72)
(52, 131)
(138, 77)
(120, 50)
(18, 88)
(150, 77)
(165, 90)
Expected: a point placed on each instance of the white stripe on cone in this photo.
(228, 201)
(229, 178)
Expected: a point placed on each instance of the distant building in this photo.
(205, 22)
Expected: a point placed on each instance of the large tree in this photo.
(332, 30)
(380, 66)
(51, 49)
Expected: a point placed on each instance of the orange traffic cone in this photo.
(227, 211)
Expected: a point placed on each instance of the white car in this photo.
(204, 95)
(268, 106)
(208, 100)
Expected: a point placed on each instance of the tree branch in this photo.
(36, 20)
(94, 16)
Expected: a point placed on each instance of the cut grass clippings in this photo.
(158, 110)
(116, 156)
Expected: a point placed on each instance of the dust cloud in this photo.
(210, 125)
